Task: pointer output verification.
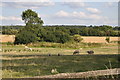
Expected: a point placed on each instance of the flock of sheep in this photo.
(76, 52)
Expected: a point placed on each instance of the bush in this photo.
(108, 39)
(10, 31)
(25, 37)
(77, 38)
(62, 37)
(57, 36)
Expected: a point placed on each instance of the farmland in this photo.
(15, 66)
(17, 62)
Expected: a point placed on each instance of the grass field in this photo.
(37, 65)
(18, 62)
(19, 50)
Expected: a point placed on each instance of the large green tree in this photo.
(29, 33)
(31, 18)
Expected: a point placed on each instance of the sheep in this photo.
(30, 49)
(58, 54)
(0, 50)
(54, 71)
(49, 54)
(76, 52)
(90, 52)
(26, 47)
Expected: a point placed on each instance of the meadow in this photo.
(18, 62)
(37, 65)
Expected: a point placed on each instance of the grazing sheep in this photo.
(90, 52)
(30, 49)
(58, 54)
(26, 47)
(0, 49)
(49, 54)
(76, 52)
(81, 48)
(54, 71)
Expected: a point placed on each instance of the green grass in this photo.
(19, 50)
(37, 63)
(42, 65)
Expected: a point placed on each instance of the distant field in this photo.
(95, 39)
(91, 39)
(7, 38)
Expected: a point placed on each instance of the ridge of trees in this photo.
(103, 30)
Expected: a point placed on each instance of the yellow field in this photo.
(87, 39)
(7, 38)
(95, 39)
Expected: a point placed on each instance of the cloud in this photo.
(25, 0)
(28, 4)
(62, 14)
(77, 15)
(93, 10)
(11, 18)
(74, 4)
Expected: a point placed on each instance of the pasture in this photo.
(20, 50)
(18, 62)
(15, 66)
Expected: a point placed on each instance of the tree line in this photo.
(103, 30)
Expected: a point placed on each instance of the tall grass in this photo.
(66, 45)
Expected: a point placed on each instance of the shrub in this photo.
(25, 37)
(61, 37)
(108, 39)
(77, 38)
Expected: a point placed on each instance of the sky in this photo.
(61, 12)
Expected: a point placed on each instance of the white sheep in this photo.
(0, 49)
(81, 48)
(26, 47)
(30, 49)
(54, 71)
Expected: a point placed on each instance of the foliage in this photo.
(31, 18)
(25, 37)
(28, 34)
(73, 29)
(77, 38)
(10, 31)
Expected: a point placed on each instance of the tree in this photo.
(31, 18)
(77, 38)
(25, 37)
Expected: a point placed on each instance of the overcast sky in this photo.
(52, 12)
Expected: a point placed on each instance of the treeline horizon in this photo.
(103, 30)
